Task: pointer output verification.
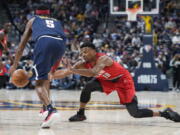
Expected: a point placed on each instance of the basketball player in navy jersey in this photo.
(49, 48)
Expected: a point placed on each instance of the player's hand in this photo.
(71, 70)
(30, 74)
(66, 62)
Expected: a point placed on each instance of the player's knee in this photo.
(41, 83)
(86, 94)
(135, 114)
(39, 91)
(87, 89)
(39, 86)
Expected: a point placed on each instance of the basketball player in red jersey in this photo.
(3, 41)
(108, 76)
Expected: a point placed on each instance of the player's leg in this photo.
(127, 97)
(135, 112)
(174, 79)
(47, 51)
(42, 66)
(43, 112)
(51, 114)
(53, 68)
(178, 79)
(42, 91)
(93, 85)
(47, 86)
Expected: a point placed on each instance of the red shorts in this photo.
(55, 66)
(124, 87)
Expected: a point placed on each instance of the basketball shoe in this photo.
(168, 113)
(77, 117)
(50, 119)
(43, 113)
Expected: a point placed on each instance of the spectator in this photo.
(175, 64)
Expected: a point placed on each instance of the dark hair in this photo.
(42, 7)
(42, 10)
(88, 44)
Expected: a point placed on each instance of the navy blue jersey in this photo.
(46, 26)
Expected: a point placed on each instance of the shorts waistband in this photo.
(49, 36)
(116, 78)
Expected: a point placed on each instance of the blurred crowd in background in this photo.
(90, 20)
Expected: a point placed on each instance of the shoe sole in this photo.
(77, 120)
(48, 123)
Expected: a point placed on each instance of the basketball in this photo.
(20, 78)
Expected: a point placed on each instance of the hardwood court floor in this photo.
(19, 114)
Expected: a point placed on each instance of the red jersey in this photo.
(124, 84)
(110, 72)
(3, 71)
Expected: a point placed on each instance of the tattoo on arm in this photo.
(102, 62)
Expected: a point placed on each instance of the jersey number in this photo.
(49, 23)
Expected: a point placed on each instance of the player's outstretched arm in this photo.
(102, 62)
(22, 44)
(59, 74)
(62, 73)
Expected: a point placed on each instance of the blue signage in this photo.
(148, 76)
